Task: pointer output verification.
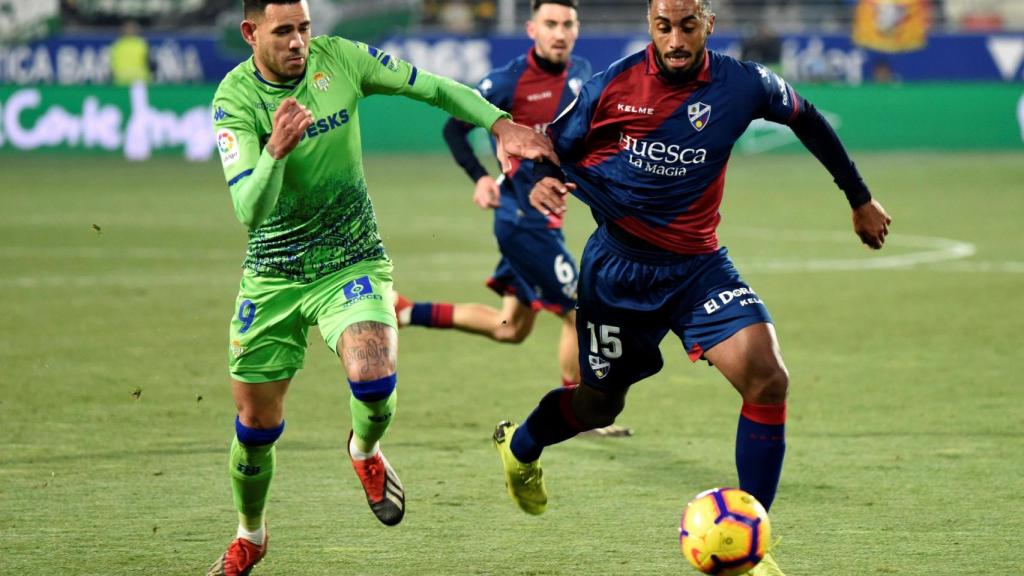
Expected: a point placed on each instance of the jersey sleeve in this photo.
(569, 130)
(381, 73)
(778, 101)
(253, 176)
(495, 88)
(586, 70)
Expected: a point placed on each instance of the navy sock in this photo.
(551, 422)
(760, 447)
(434, 315)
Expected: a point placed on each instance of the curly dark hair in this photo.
(703, 5)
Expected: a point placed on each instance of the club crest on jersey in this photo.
(700, 114)
(599, 366)
(321, 81)
(575, 85)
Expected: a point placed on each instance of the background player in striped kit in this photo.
(536, 270)
(646, 146)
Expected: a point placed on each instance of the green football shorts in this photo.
(268, 332)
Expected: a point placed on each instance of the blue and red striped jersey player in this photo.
(536, 270)
(646, 146)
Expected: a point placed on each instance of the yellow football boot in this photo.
(525, 482)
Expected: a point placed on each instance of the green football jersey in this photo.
(309, 213)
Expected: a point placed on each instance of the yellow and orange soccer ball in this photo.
(724, 531)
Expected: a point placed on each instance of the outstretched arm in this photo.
(870, 220)
(522, 142)
(382, 74)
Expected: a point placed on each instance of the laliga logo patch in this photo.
(321, 81)
(699, 114)
(599, 366)
(227, 145)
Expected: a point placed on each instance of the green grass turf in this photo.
(906, 449)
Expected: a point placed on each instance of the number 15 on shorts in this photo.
(603, 340)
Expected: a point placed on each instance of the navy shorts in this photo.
(630, 298)
(535, 267)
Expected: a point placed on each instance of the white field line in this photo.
(929, 250)
(932, 253)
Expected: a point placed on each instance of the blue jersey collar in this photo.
(290, 86)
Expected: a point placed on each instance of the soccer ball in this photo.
(724, 531)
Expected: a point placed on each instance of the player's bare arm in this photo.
(290, 120)
(521, 142)
(486, 193)
(871, 223)
(549, 195)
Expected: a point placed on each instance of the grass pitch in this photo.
(906, 450)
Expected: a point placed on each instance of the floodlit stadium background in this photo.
(119, 261)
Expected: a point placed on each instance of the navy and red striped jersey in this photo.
(534, 96)
(650, 155)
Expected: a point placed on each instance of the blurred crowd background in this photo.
(58, 56)
(484, 16)
(757, 29)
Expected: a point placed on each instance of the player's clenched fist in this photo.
(290, 121)
(548, 195)
(871, 222)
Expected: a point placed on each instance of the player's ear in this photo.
(711, 23)
(531, 29)
(248, 28)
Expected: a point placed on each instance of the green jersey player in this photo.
(287, 126)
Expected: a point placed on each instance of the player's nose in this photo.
(676, 38)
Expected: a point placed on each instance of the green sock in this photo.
(370, 420)
(252, 468)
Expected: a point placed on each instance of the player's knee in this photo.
(365, 371)
(597, 409)
(769, 386)
(260, 417)
(509, 333)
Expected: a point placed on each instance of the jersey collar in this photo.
(652, 69)
(288, 86)
(531, 61)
